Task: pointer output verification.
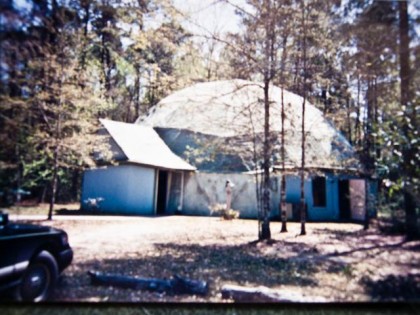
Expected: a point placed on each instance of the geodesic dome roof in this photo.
(234, 109)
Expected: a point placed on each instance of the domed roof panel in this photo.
(235, 108)
(231, 108)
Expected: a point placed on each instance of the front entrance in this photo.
(162, 192)
(344, 199)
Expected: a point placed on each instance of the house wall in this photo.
(331, 209)
(126, 189)
(131, 189)
(203, 191)
(357, 191)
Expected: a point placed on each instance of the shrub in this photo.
(219, 209)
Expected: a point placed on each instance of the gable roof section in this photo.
(142, 145)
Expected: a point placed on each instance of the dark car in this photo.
(31, 259)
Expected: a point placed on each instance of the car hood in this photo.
(19, 229)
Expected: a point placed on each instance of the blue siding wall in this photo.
(126, 189)
(293, 189)
(329, 212)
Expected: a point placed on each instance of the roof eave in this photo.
(314, 168)
(161, 167)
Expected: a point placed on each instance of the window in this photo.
(319, 191)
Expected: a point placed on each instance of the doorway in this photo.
(344, 199)
(162, 192)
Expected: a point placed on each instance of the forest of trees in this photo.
(65, 64)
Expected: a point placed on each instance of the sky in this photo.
(209, 16)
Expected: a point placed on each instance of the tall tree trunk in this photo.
(349, 130)
(302, 171)
(367, 154)
(85, 4)
(137, 92)
(283, 153)
(368, 157)
(54, 179)
(375, 146)
(13, 80)
(325, 100)
(106, 65)
(268, 76)
(409, 151)
(283, 164)
(57, 133)
(404, 53)
(44, 192)
(75, 184)
(257, 180)
(265, 227)
(357, 125)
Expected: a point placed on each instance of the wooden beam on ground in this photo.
(176, 285)
(264, 294)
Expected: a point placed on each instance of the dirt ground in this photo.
(333, 262)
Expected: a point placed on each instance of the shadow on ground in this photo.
(394, 288)
(216, 264)
(221, 264)
(334, 264)
(242, 264)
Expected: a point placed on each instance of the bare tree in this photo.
(283, 138)
(410, 151)
(302, 170)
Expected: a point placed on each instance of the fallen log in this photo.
(264, 294)
(176, 285)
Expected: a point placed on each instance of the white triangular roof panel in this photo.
(142, 145)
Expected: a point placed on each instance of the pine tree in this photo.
(410, 152)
